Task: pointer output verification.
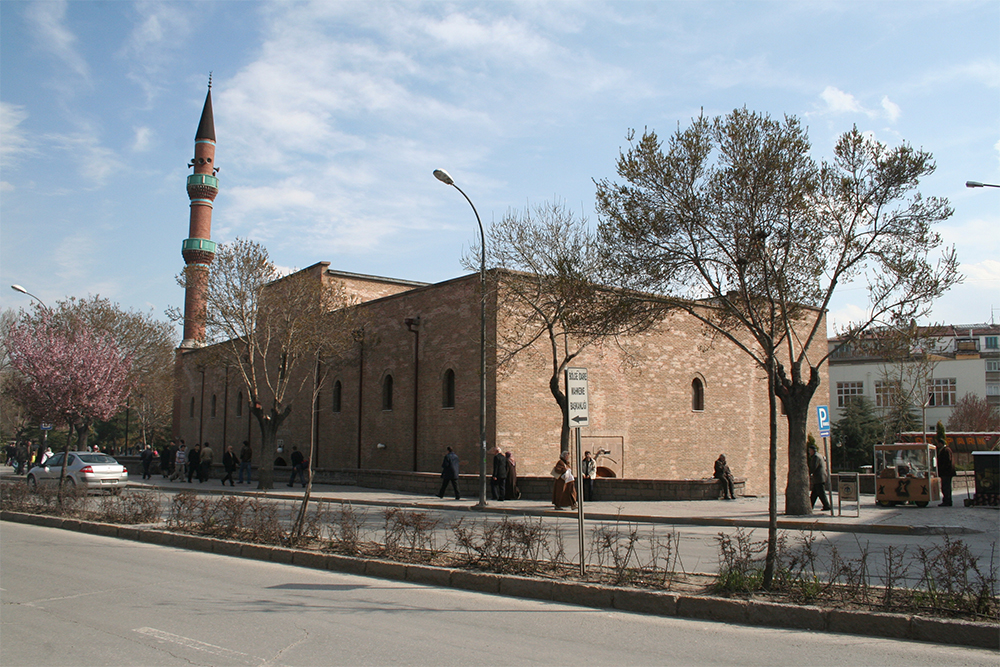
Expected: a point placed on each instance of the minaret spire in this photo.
(198, 249)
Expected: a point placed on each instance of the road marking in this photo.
(187, 642)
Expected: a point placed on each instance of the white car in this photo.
(91, 470)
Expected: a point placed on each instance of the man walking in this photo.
(299, 465)
(449, 473)
(817, 478)
(499, 479)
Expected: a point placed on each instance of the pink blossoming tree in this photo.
(67, 374)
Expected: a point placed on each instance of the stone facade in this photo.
(642, 410)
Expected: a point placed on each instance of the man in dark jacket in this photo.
(299, 465)
(946, 470)
(817, 478)
(246, 455)
(449, 473)
(146, 458)
(499, 479)
(725, 475)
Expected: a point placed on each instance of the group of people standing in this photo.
(503, 480)
(177, 462)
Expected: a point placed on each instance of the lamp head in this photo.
(968, 184)
(444, 177)
(18, 288)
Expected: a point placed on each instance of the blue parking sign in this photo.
(823, 413)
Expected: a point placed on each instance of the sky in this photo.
(331, 116)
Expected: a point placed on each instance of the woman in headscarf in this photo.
(512, 492)
(564, 484)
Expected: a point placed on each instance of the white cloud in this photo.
(141, 141)
(161, 30)
(95, 163)
(836, 102)
(47, 23)
(891, 109)
(15, 143)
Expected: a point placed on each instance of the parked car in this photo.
(91, 470)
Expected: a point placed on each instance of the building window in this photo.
(214, 403)
(239, 404)
(993, 389)
(448, 389)
(192, 408)
(387, 393)
(697, 395)
(337, 390)
(992, 342)
(886, 393)
(992, 365)
(942, 392)
(848, 392)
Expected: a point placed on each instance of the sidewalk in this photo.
(748, 512)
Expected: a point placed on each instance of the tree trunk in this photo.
(772, 478)
(269, 424)
(560, 397)
(796, 396)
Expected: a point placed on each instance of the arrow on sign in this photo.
(579, 419)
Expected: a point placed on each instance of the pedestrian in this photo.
(299, 465)
(146, 458)
(246, 455)
(180, 463)
(725, 476)
(46, 455)
(817, 478)
(511, 492)
(167, 460)
(449, 473)
(194, 462)
(588, 469)
(946, 470)
(229, 462)
(498, 482)
(20, 459)
(205, 463)
(563, 484)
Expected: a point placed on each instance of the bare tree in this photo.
(974, 413)
(271, 329)
(550, 289)
(734, 210)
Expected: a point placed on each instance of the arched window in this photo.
(192, 408)
(337, 389)
(697, 395)
(448, 389)
(239, 404)
(214, 403)
(387, 393)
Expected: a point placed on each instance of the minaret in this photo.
(198, 249)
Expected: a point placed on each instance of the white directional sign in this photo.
(576, 394)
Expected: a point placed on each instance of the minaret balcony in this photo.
(198, 251)
(202, 186)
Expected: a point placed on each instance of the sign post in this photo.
(823, 416)
(578, 404)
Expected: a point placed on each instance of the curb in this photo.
(660, 603)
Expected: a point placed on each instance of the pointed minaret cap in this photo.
(206, 128)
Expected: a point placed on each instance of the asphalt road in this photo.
(75, 599)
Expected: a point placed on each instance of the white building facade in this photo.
(945, 364)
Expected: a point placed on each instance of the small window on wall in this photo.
(992, 342)
(387, 393)
(337, 390)
(192, 408)
(697, 395)
(214, 403)
(239, 404)
(448, 389)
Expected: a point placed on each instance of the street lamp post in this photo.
(18, 288)
(977, 184)
(446, 178)
(45, 431)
